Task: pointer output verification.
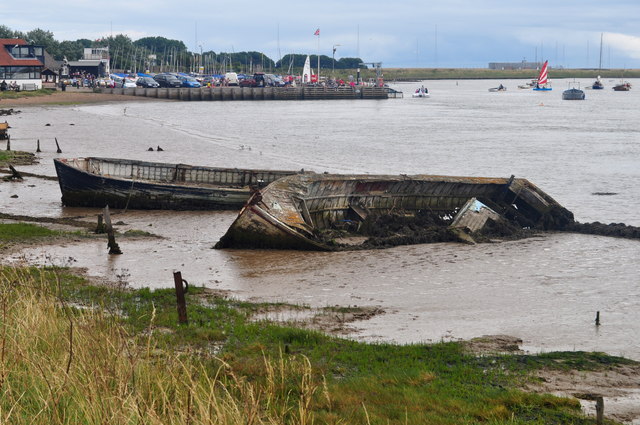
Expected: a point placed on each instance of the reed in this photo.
(60, 364)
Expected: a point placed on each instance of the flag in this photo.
(317, 32)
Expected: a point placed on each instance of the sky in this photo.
(405, 33)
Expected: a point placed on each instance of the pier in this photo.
(254, 93)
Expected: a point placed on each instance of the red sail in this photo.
(543, 77)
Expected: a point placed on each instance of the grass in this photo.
(10, 94)
(415, 74)
(18, 232)
(76, 353)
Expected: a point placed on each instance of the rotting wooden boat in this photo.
(124, 183)
(297, 212)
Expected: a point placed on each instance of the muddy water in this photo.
(545, 290)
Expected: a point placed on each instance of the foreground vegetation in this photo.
(75, 353)
(10, 94)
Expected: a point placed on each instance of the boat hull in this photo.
(293, 212)
(176, 186)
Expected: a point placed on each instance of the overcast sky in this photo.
(407, 33)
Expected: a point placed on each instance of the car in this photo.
(248, 82)
(147, 82)
(210, 81)
(188, 81)
(231, 79)
(167, 80)
(126, 83)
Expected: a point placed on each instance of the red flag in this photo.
(317, 32)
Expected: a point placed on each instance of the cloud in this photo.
(623, 43)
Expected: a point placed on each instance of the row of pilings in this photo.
(254, 93)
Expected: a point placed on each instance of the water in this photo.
(545, 290)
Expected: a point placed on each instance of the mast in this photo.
(600, 64)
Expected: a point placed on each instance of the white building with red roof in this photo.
(21, 62)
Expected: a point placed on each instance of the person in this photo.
(14, 86)
(3, 85)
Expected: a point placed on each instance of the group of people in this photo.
(11, 86)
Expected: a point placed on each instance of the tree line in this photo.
(159, 54)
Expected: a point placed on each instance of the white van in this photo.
(231, 78)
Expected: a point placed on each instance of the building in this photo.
(514, 65)
(95, 61)
(21, 62)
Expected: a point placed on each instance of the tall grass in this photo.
(60, 364)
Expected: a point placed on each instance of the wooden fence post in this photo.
(599, 410)
(180, 300)
(113, 246)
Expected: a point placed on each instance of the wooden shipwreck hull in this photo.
(294, 212)
(122, 183)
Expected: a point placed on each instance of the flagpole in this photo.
(318, 56)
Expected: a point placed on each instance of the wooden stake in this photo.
(38, 149)
(8, 142)
(100, 226)
(15, 175)
(597, 318)
(180, 300)
(58, 146)
(599, 410)
(113, 246)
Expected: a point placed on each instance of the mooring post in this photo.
(180, 300)
(100, 226)
(58, 146)
(599, 410)
(8, 142)
(597, 318)
(15, 175)
(113, 246)
(38, 148)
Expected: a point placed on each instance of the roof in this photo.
(7, 60)
(84, 62)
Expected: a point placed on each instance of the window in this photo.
(19, 73)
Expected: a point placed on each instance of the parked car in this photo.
(231, 79)
(127, 83)
(248, 82)
(167, 80)
(147, 82)
(210, 80)
(188, 81)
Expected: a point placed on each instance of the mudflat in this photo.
(71, 96)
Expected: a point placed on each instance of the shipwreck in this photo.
(332, 211)
(124, 183)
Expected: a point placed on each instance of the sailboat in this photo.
(543, 79)
(306, 71)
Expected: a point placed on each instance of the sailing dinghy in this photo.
(543, 83)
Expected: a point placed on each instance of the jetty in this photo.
(255, 93)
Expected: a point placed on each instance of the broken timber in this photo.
(296, 211)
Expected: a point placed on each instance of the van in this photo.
(231, 78)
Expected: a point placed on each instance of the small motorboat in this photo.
(597, 85)
(573, 94)
(499, 88)
(421, 92)
(624, 86)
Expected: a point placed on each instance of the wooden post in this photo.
(15, 175)
(597, 318)
(38, 148)
(113, 246)
(8, 142)
(599, 410)
(180, 300)
(58, 146)
(100, 226)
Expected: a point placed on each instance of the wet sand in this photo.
(72, 96)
